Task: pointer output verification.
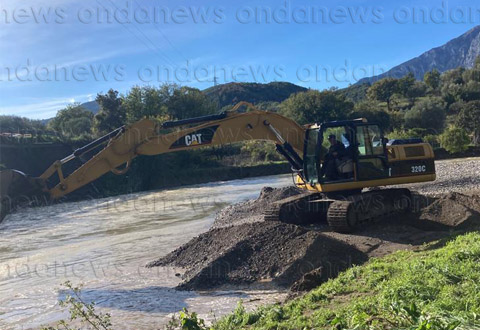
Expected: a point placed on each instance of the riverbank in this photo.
(432, 289)
(241, 249)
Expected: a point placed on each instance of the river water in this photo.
(104, 245)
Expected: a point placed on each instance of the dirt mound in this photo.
(453, 210)
(259, 252)
(242, 249)
(252, 210)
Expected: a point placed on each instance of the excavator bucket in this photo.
(18, 189)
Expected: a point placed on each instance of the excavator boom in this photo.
(149, 137)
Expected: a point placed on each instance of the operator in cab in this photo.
(335, 153)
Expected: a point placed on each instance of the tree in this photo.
(451, 85)
(168, 101)
(372, 112)
(397, 120)
(427, 113)
(454, 139)
(383, 90)
(455, 108)
(268, 106)
(469, 119)
(432, 79)
(15, 124)
(143, 102)
(470, 91)
(418, 89)
(454, 76)
(72, 121)
(405, 84)
(187, 102)
(316, 107)
(474, 73)
(111, 114)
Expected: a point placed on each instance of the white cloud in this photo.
(42, 109)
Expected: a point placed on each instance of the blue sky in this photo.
(55, 52)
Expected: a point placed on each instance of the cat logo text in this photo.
(199, 137)
(193, 139)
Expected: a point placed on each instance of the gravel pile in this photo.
(460, 175)
(254, 252)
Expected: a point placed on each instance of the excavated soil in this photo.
(243, 249)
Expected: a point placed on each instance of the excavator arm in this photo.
(149, 137)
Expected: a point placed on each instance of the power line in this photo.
(164, 36)
(154, 49)
(146, 37)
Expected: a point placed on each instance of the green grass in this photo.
(431, 289)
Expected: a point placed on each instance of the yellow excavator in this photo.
(367, 160)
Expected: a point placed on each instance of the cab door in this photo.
(311, 158)
(371, 162)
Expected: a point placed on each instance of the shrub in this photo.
(427, 113)
(81, 312)
(469, 119)
(186, 321)
(454, 139)
(433, 140)
(260, 151)
(408, 134)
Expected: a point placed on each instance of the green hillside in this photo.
(231, 93)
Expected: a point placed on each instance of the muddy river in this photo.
(104, 245)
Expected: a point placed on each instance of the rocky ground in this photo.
(243, 249)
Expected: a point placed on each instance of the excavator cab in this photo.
(342, 152)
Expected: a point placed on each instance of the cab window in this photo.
(370, 149)
(369, 141)
(310, 157)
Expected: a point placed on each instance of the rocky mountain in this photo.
(459, 52)
(231, 93)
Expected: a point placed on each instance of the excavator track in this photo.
(295, 209)
(341, 216)
(356, 211)
(344, 214)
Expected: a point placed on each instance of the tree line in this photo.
(167, 102)
(444, 109)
